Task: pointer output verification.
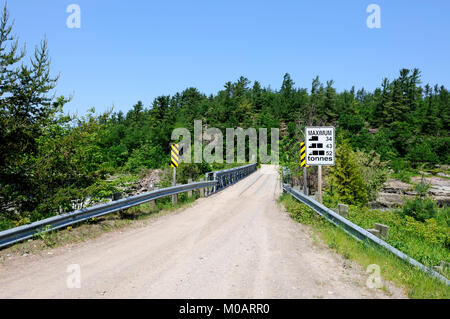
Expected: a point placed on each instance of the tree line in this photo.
(48, 158)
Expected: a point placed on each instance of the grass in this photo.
(424, 241)
(404, 175)
(415, 283)
(137, 216)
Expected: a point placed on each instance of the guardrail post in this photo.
(214, 188)
(116, 196)
(207, 188)
(189, 192)
(202, 190)
(342, 210)
(383, 229)
(151, 203)
(174, 183)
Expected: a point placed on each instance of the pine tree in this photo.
(25, 110)
(345, 177)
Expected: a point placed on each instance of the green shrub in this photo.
(425, 149)
(422, 187)
(346, 178)
(420, 209)
(426, 242)
(146, 156)
(373, 170)
(399, 165)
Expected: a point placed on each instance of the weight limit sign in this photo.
(320, 145)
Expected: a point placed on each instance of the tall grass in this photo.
(415, 282)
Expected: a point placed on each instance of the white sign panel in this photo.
(320, 145)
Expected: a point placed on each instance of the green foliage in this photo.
(25, 110)
(422, 187)
(300, 213)
(195, 171)
(374, 172)
(420, 234)
(146, 156)
(383, 144)
(427, 242)
(346, 177)
(420, 209)
(47, 236)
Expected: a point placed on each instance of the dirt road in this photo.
(237, 243)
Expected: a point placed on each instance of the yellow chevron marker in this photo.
(175, 156)
(303, 155)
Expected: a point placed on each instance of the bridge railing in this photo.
(229, 176)
(221, 179)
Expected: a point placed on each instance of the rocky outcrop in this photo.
(394, 192)
(148, 182)
(439, 190)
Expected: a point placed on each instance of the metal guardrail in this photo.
(358, 232)
(17, 234)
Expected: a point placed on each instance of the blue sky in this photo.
(127, 51)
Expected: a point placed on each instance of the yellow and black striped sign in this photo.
(303, 155)
(174, 155)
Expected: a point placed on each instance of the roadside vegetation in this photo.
(418, 227)
(426, 242)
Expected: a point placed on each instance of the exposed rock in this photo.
(396, 186)
(442, 200)
(394, 192)
(144, 183)
(439, 186)
(387, 200)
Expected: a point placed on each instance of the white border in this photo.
(306, 144)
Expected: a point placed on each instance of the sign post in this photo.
(319, 183)
(303, 164)
(320, 150)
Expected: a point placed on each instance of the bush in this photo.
(420, 209)
(373, 170)
(382, 143)
(146, 156)
(422, 152)
(346, 178)
(399, 165)
(422, 187)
